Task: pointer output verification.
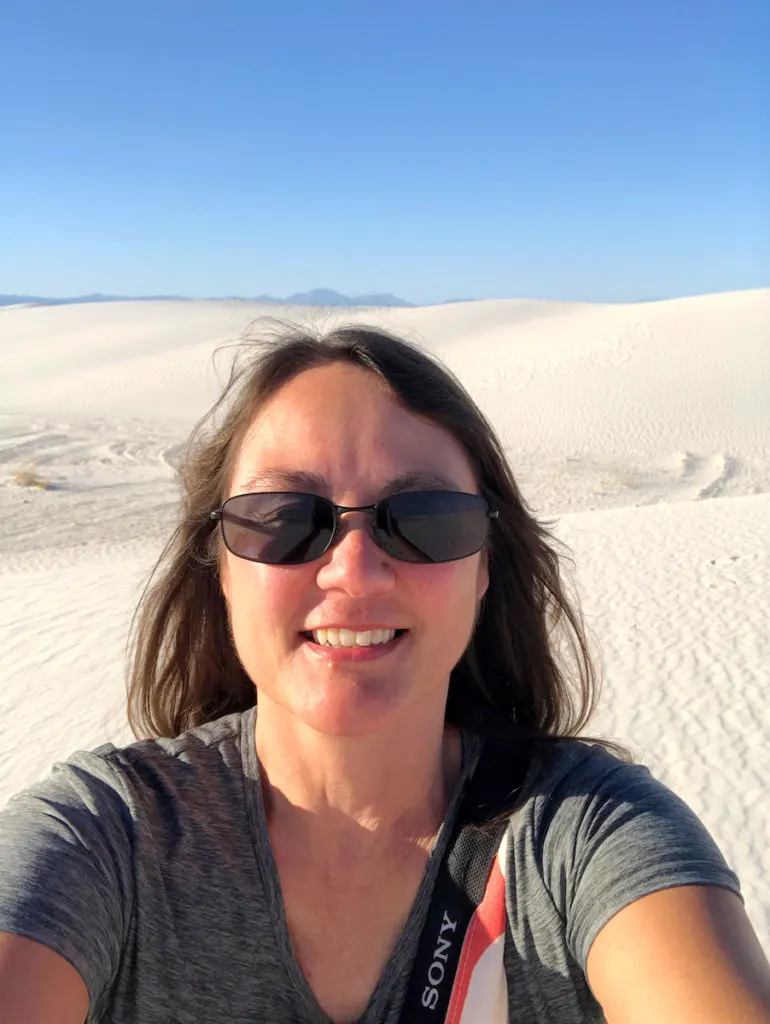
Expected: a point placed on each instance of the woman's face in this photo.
(338, 423)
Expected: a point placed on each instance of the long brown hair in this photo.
(528, 661)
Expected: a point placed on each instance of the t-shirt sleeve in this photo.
(614, 835)
(66, 868)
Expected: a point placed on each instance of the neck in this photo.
(351, 796)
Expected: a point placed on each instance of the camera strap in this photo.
(465, 925)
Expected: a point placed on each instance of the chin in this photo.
(348, 708)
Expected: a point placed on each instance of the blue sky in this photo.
(569, 149)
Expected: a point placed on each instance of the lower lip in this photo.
(333, 655)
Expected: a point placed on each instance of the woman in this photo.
(355, 606)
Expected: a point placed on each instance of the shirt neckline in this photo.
(406, 946)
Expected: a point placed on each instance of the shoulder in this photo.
(598, 833)
(114, 783)
(75, 845)
(572, 783)
(581, 801)
(214, 740)
(209, 745)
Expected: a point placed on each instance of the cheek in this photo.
(448, 594)
(263, 598)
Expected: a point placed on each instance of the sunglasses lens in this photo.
(432, 526)
(279, 529)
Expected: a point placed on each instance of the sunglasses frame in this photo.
(338, 511)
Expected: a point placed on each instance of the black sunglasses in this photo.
(289, 528)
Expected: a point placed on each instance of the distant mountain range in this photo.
(317, 297)
(328, 297)
(38, 300)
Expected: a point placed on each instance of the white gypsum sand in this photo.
(642, 430)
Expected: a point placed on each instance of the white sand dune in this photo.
(642, 430)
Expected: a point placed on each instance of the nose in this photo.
(355, 563)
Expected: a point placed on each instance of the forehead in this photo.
(340, 424)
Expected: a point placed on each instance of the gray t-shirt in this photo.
(149, 869)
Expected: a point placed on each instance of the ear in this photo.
(224, 577)
(482, 576)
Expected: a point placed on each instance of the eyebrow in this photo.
(299, 480)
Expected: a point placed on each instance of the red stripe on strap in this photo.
(486, 925)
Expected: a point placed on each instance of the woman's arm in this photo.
(66, 892)
(37, 986)
(685, 955)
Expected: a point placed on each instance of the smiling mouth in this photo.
(372, 642)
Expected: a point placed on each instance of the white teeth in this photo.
(347, 638)
(352, 638)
